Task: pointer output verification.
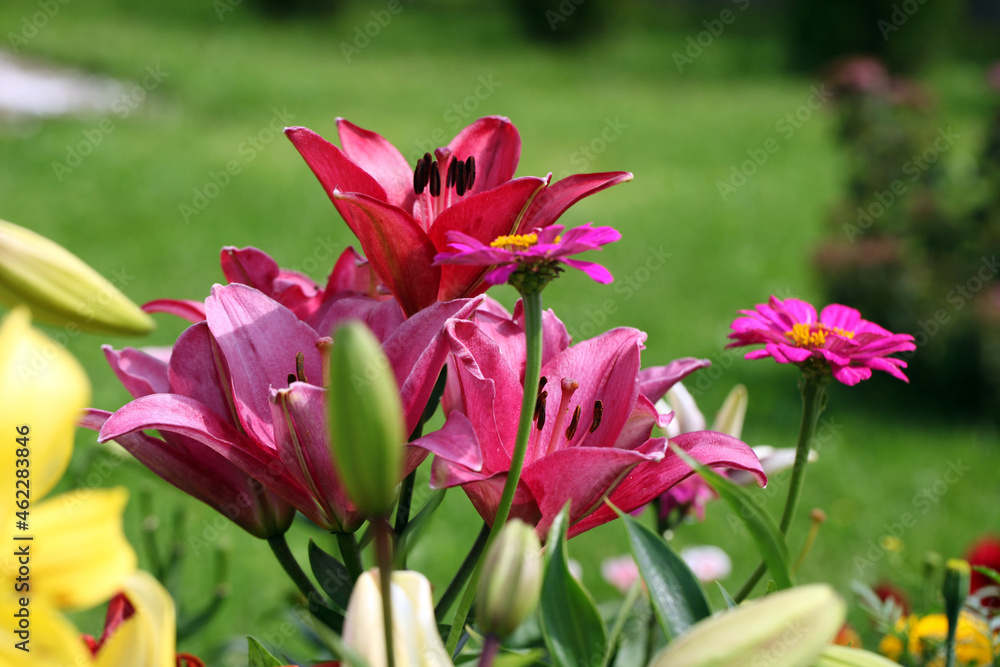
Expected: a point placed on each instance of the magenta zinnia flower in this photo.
(402, 214)
(591, 438)
(545, 247)
(838, 341)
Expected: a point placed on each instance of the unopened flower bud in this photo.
(415, 637)
(956, 588)
(512, 580)
(786, 629)
(61, 288)
(729, 418)
(366, 419)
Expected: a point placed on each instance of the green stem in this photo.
(403, 510)
(532, 301)
(383, 552)
(813, 403)
(350, 555)
(490, 648)
(291, 566)
(462, 576)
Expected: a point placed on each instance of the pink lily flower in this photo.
(546, 247)
(240, 400)
(838, 340)
(402, 214)
(351, 276)
(593, 422)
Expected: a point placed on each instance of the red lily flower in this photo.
(593, 422)
(402, 214)
(236, 404)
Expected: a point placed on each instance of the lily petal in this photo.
(370, 151)
(655, 382)
(192, 311)
(649, 479)
(552, 202)
(259, 339)
(399, 250)
(141, 373)
(495, 144)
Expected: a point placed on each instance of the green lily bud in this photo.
(61, 288)
(787, 629)
(842, 656)
(366, 420)
(512, 580)
(956, 588)
(729, 418)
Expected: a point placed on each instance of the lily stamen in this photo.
(598, 413)
(569, 386)
(571, 429)
(460, 175)
(300, 367)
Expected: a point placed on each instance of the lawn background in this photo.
(680, 133)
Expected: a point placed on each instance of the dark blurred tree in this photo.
(560, 21)
(905, 34)
(287, 9)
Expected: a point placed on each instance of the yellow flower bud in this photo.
(61, 288)
(366, 420)
(786, 629)
(842, 656)
(512, 580)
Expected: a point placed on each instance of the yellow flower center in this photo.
(813, 335)
(515, 241)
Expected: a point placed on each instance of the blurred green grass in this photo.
(679, 133)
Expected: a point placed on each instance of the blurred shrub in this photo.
(904, 33)
(910, 249)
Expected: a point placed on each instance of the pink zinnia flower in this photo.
(839, 339)
(544, 247)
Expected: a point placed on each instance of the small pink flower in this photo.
(621, 572)
(543, 246)
(839, 339)
(709, 563)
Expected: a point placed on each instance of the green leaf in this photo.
(260, 656)
(332, 575)
(764, 531)
(677, 596)
(730, 602)
(511, 659)
(416, 524)
(573, 629)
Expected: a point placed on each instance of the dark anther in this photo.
(291, 378)
(451, 174)
(598, 413)
(470, 172)
(460, 177)
(571, 429)
(300, 367)
(435, 180)
(421, 173)
(541, 383)
(540, 410)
